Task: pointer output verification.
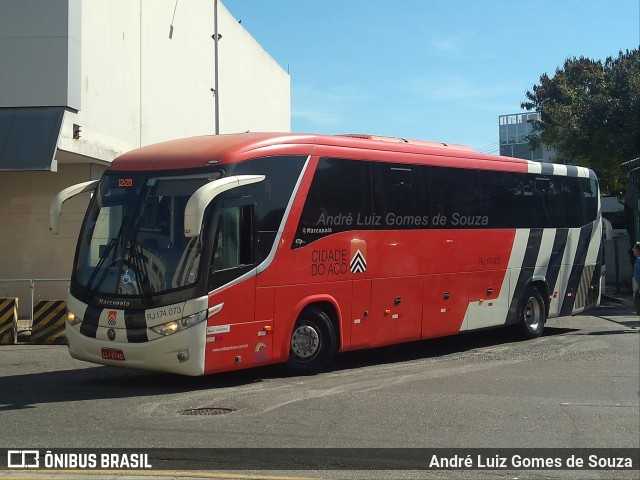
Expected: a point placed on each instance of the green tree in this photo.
(590, 114)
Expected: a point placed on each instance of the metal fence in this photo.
(30, 290)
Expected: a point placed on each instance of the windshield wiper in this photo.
(112, 245)
(139, 263)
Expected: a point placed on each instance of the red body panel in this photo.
(417, 284)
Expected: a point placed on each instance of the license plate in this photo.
(112, 354)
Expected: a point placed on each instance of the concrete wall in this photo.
(623, 273)
(27, 249)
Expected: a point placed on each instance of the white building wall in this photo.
(140, 87)
(243, 85)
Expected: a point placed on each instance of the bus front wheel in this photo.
(313, 342)
(532, 313)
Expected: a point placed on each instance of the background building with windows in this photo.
(513, 130)
(82, 81)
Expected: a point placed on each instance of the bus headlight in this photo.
(177, 325)
(72, 319)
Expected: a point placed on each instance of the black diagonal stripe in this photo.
(576, 270)
(526, 271)
(89, 325)
(557, 253)
(44, 309)
(6, 307)
(136, 325)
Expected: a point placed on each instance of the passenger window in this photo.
(455, 196)
(573, 203)
(401, 195)
(339, 200)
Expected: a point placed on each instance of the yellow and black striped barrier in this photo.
(8, 321)
(48, 323)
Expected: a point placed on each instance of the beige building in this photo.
(82, 81)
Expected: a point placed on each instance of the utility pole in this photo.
(216, 90)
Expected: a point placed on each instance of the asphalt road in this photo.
(577, 386)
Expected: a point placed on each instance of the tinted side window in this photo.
(575, 212)
(272, 194)
(551, 205)
(339, 200)
(541, 204)
(590, 197)
(501, 196)
(455, 198)
(400, 195)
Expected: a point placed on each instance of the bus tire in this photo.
(532, 314)
(313, 342)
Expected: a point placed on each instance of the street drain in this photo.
(207, 411)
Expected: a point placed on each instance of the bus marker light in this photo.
(72, 319)
(267, 328)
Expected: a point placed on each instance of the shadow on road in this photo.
(103, 382)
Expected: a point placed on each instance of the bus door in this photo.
(446, 298)
(234, 338)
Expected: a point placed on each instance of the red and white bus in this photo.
(217, 253)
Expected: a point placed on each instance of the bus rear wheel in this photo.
(532, 313)
(313, 342)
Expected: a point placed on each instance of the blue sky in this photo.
(440, 70)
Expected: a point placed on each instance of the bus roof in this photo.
(203, 151)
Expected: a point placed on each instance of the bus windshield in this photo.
(132, 242)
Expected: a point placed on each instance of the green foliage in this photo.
(590, 115)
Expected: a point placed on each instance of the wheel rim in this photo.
(533, 314)
(305, 342)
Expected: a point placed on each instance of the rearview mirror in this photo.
(56, 205)
(197, 204)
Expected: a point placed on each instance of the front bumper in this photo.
(160, 355)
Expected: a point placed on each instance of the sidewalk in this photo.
(624, 297)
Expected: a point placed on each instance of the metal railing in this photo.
(32, 285)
